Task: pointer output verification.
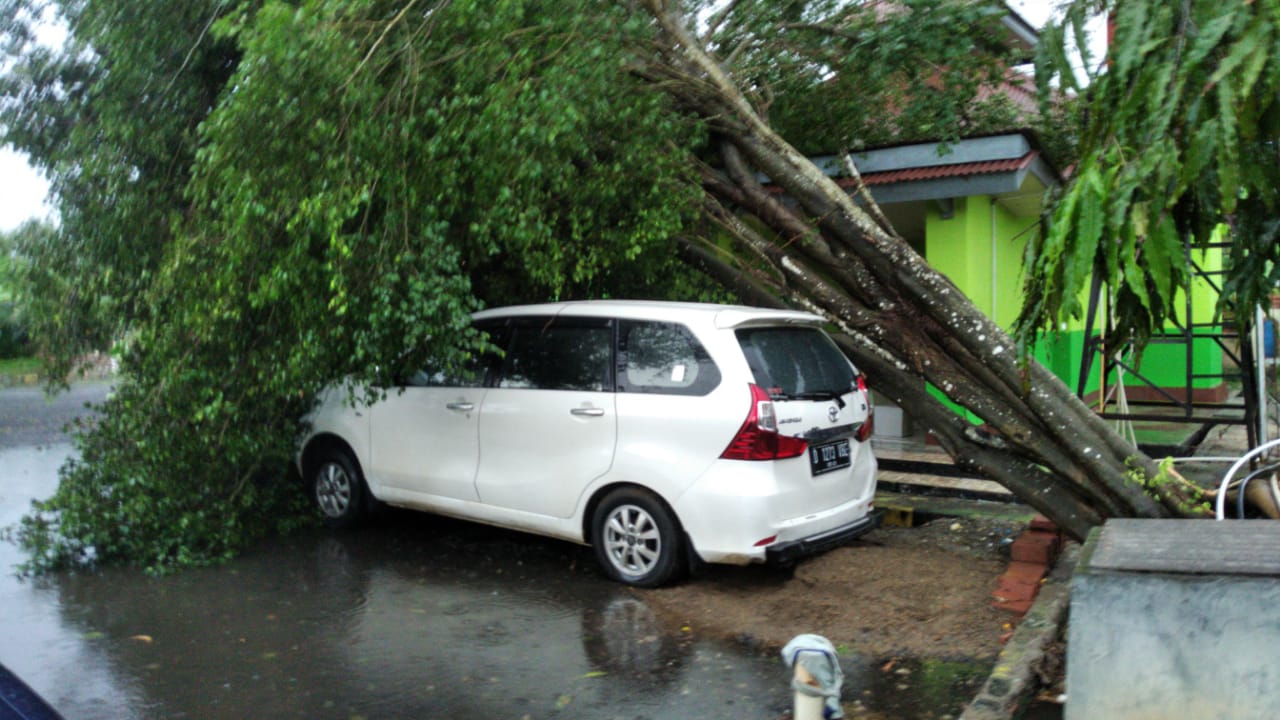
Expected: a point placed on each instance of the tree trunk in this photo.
(902, 322)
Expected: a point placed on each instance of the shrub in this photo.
(14, 337)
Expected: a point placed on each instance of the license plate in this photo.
(832, 456)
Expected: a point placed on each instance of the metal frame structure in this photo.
(1249, 410)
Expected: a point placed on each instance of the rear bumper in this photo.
(787, 552)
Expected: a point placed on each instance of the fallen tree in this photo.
(903, 322)
(258, 197)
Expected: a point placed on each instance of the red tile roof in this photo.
(936, 172)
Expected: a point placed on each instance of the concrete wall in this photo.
(1176, 619)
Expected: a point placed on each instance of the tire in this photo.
(338, 489)
(636, 539)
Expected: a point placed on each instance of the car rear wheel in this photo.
(338, 489)
(636, 539)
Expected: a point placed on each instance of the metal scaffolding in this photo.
(1242, 360)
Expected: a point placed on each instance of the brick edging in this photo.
(1013, 677)
(1031, 557)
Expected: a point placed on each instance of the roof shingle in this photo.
(936, 172)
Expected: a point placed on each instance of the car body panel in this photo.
(663, 439)
(767, 501)
(341, 412)
(426, 440)
(553, 444)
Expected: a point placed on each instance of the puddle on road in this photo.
(416, 617)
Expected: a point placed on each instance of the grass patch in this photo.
(19, 366)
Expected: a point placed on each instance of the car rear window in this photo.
(796, 361)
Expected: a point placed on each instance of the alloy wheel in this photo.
(333, 490)
(632, 540)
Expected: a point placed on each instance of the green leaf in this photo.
(1243, 52)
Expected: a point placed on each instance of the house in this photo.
(971, 206)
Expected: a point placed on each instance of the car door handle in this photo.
(463, 406)
(587, 412)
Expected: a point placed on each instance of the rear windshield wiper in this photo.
(835, 395)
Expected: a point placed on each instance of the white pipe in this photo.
(805, 706)
(1220, 504)
(1260, 352)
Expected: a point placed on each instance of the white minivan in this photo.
(662, 434)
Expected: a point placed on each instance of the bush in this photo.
(15, 340)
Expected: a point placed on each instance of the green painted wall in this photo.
(980, 247)
(981, 240)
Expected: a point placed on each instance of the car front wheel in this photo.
(338, 489)
(636, 539)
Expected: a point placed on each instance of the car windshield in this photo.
(796, 362)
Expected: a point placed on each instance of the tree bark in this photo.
(902, 322)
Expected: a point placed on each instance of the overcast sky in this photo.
(23, 191)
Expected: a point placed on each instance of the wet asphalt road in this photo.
(413, 617)
(29, 418)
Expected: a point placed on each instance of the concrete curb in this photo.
(1013, 677)
(28, 379)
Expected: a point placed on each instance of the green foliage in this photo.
(20, 366)
(287, 193)
(259, 197)
(857, 75)
(7, 253)
(13, 331)
(133, 495)
(18, 311)
(1178, 139)
(46, 296)
(111, 119)
(1192, 500)
(14, 338)
(398, 168)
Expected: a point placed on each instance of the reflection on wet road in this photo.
(414, 617)
(378, 624)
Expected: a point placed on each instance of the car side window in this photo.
(662, 357)
(559, 354)
(468, 376)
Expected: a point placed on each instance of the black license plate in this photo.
(832, 456)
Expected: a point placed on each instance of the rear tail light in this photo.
(758, 438)
(863, 430)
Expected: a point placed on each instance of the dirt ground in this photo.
(896, 592)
